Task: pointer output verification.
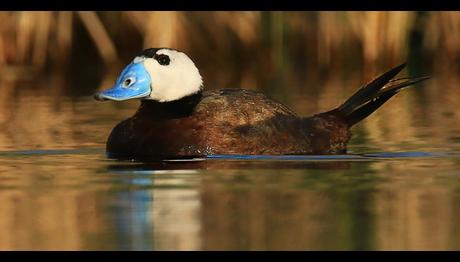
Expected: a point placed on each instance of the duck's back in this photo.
(237, 121)
(229, 121)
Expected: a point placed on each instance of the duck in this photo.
(178, 119)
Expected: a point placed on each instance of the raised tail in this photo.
(374, 94)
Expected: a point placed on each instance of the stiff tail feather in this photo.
(374, 94)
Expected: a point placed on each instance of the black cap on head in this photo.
(150, 52)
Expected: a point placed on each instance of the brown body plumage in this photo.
(237, 121)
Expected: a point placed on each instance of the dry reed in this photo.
(33, 38)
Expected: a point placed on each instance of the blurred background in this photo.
(59, 191)
(38, 39)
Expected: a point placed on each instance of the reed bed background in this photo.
(36, 38)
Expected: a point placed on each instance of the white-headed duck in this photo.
(178, 119)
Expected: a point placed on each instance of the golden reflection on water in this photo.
(89, 203)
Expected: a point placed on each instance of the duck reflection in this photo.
(280, 205)
(162, 207)
(133, 217)
(154, 212)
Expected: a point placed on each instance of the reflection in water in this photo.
(163, 216)
(134, 219)
(87, 202)
(359, 209)
(356, 207)
(176, 218)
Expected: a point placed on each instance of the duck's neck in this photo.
(174, 109)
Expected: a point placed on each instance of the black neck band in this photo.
(174, 109)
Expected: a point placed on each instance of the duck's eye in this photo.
(162, 59)
(128, 81)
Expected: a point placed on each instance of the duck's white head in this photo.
(160, 74)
